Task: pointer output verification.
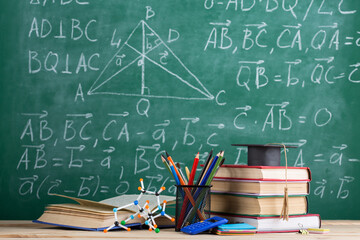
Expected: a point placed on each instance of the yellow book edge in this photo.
(318, 230)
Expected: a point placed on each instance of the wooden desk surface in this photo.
(343, 229)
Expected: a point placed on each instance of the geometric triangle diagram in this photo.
(145, 66)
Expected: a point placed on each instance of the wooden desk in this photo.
(26, 229)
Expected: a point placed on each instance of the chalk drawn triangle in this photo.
(123, 58)
(151, 60)
(129, 85)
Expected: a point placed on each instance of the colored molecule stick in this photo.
(143, 212)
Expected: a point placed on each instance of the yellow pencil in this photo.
(187, 172)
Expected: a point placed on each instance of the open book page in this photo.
(123, 200)
(130, 198)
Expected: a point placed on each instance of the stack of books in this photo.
(255, 195)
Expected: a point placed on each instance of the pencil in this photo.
(209, 170)
(181, 173)
(206, 170)
(177, 180)
(172, 172)
(187, 173)
(205, 165)
(216, 168)
(210, 173)
(197, 193)
(187, 192)
(191, 180)
(202, 174)
(193, 169)
(165, 163)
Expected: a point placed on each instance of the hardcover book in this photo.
(92, 215)
(276, 224)
(260, 187)
(241, 204)
(263, 173)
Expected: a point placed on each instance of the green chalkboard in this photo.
(93, 92)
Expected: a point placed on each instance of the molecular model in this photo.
(143, 212)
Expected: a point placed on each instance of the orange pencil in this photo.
(187, 192)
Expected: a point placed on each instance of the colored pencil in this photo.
(203, 170)
(193, 169)
(187, 173)
(211, 161)
(199, 195)
(172, 171)
(209, 170)
(215, 169)
(177, 180)
(186, 190)
(181, 173)
(191, 182)
(163, 159)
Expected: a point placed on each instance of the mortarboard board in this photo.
(263, 155)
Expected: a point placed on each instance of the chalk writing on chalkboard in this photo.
(142, 48)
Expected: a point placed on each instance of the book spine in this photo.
(257, 216)
(261, 167)
(262, 179)
(256, 196)
(263, 217)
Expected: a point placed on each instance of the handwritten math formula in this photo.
(77, 148)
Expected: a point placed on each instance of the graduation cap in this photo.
(263, 155)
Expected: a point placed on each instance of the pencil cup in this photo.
(192, 205)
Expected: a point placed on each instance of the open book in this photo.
(92, 215)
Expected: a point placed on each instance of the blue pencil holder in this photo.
(186, 213)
